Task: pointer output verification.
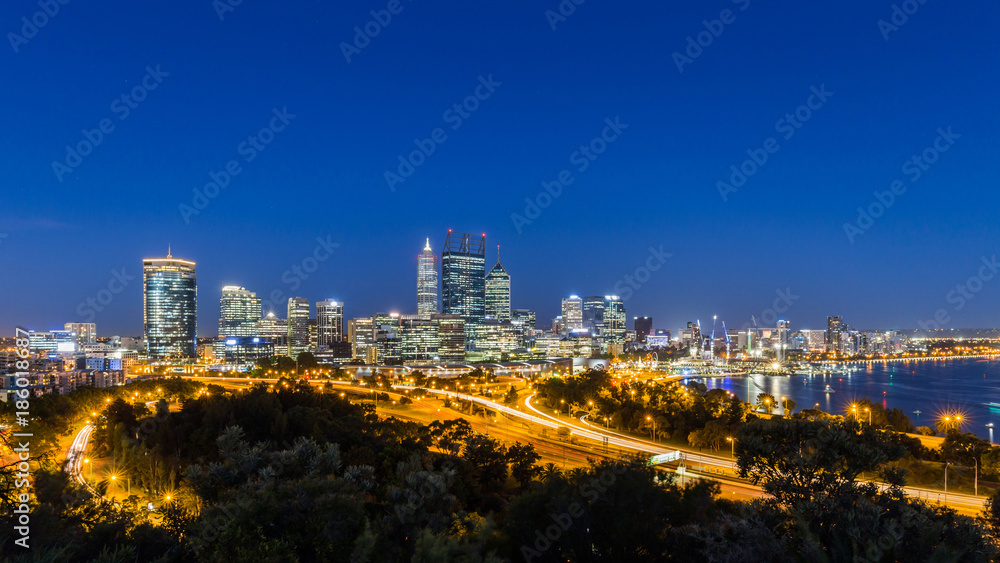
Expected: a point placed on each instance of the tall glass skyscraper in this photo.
(463, 277)
(427, 282)
(239, 313)
(329, 322)
(498, 292)
(572, 313)
(169, 307)
(298, 326)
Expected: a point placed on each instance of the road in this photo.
(75, 455)
(717, 468)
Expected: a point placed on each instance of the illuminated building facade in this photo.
(298, 326)
(329, 323)
(572, 314)
(239, 312)
(463, 277)
(170, 307)
(427, 282)
(498, 293)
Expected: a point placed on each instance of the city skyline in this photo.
(889, 99)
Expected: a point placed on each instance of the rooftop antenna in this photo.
(498, 253)
(168, 251)
(428, 246)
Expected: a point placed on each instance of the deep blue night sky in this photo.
(656, 185)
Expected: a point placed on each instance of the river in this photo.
(935, 388)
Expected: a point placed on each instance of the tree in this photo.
(766, 402)
(990, 464)
(522, 460)
(511, 396)
(963, 447)
(306, 360)
(796, 460)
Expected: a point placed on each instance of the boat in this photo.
(993, 405)
(829, 391)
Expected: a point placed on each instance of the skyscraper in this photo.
(593, 314)
(239, 312)
(329, 322)
(572, 313)
(835, 327)
(298, 326)
(614, 325)
(86, 333)
(498, 292)
(643, 328)
(169, 307)
(463, 277)
(427, 282)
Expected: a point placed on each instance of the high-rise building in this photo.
(463, 277)
(451, 337)
(170, 307)
(419, 340)
(388, 341)
(298, 326)
(274, 329)
(361, 335)
(614, 325)
(498, 292)
(239, 313)
(53, 341)
(427, 282)
(593, 314)
(86, 333)
(329, 323)
(572, 313)
(834, 329)
(643, 328)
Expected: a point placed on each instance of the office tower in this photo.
(572, 313)
(558, 325)
(614, 325)
(525, 317)
(298, 326)
(498, 292)
(53, 341)
(834, 328)
(329, 323)
(419, 340)
(463, 277)
(361, 335)
(427, 282)
(388, 341)
(643, 328)
(781, 346)
(274, 329)
(239, 312)
(169, 307)
(593, 314)
(86, 333)
(451, 337)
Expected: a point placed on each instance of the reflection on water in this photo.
(933, 388)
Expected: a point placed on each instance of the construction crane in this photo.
(726, 332)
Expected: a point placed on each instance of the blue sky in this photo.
(656, 184)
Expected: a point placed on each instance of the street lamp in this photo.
(732, 441)
(869, 411)
(648, 419)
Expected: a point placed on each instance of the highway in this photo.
(710, 465)
(76, 454)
